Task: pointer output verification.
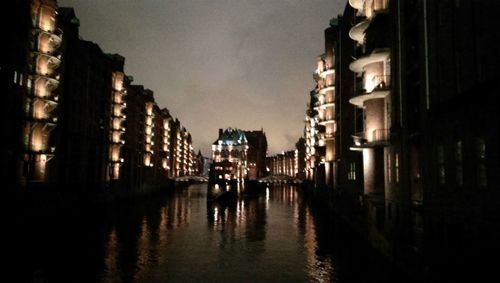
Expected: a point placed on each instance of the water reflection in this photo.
(272, 236)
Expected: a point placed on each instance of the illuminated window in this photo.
(351, 175)
(441, 168)
(482, 180)
(15, 77)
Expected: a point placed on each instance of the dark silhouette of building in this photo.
(414, 83)
(256, 154)
(300, 146)
(199, 164)
(13, 79)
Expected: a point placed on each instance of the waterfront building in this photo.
(285, 163)
(41, 78)
(164, 134)
(423, 161)
(76, 124)
(85, 109)
(373, 93)
(320, 122)
(300, 146)
(199, 164)
(29, 23)
(229, 155)
(310, 142)
(324, 108)
(256, 154)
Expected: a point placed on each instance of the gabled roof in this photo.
(231, 136)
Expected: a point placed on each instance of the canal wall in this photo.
(50, 198)
(349, 213)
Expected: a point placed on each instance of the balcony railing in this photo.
(326, 87)
(380, 135)
(381, 82)
(327, 70)
(51, 96)
(380, 89)
(329, 136)
(371, 138)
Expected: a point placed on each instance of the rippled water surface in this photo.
(274, 236)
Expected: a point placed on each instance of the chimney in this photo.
(220, 132)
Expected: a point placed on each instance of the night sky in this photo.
(218, 63)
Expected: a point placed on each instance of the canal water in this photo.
(275, 236)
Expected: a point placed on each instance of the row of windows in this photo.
(18, 78)
(389, 162)
(458, 175)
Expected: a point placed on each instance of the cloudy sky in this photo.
(218, 63)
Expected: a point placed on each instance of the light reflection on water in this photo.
(268, 237)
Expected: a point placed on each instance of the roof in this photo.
(231, 136)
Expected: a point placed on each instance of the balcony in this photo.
(326, 120)
(49, 96)
(323, 89)
(327, 71)
(49, 83)
(358, 65)
(357, 32)
(46, 43)
(325, 105)
(47, 61)
(47, 106)
(357, 4)
(329, 136)
(49, 151)
(381, 89)
(373, 138)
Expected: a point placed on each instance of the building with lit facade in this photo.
(229, 155)
(309, 142)
(85, 134)
(324, 108)
(163, 136)
(77, 126)
(320, 122)
(285, 163)
(41, 99)
(183, 151)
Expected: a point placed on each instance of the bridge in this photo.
(280, 178)
(192, 179)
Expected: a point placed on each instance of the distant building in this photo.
(417, 129)
(229, 154)
(199, 164)
(286, 163)
(256, 154)
(300, 146)
(76, 124)
(324, 110)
